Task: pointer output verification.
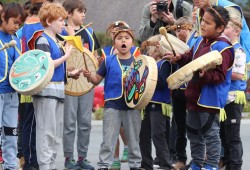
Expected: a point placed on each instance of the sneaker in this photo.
(179, 165)
(84, 164)
(195, 167)
(21, 162)
(116, 165)
(125, 155)
(70, 164)
(209, 167)
(102, 168)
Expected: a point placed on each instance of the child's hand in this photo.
(201, 73)
(68, 49)
(86, 73)
(70, 30)
(170, 56)
(75, 73)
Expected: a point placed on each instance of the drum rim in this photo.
(95, 63)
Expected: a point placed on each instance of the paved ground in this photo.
(96, 138)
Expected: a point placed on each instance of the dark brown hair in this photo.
(12, 10)
(71, 5)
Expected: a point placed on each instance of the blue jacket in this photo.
(59, 72)
(7, 58)
(161, 95)
(113, 84)
(215, 96)
(28, 32)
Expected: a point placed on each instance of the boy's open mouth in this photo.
(124, 46)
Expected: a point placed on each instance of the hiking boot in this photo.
(125, 155)
(179, 165)
(70, 164)
(21, 161)
(116, 165)
(84, 164)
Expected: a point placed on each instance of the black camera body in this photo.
(162, 6)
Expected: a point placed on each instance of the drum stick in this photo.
(86, 66)
(8, 45)
(83, 28)
(163, 31)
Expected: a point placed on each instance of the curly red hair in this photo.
(50, 12)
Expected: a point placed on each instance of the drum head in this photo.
(178, 45)
(31, 72)
(141, 82)
(80, 86)
(185, 73)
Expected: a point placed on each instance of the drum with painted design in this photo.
(140, 82)
(31, 72)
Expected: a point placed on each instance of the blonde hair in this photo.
(50, 12)
(151, 43)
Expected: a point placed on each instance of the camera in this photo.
(162, 6)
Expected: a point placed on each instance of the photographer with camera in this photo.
(159, 13)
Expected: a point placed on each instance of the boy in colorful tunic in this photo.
(78, 109)
(49, 103)
(207, 92)
(233, 149)
(116, 111)
(31, 30)
(12, 16)
(110, 50)
(153, 127)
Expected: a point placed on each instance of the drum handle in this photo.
(163, 31)
(8, 45)
(86, 66)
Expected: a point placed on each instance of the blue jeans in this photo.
(8, 123)
(203, 132)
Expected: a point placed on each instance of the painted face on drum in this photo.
(208, 27)
(123, 42)
(78, 17)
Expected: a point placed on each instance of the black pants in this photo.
(21, 112)
(29, 137)
(153, 127)
(179, 115)
(233, 149)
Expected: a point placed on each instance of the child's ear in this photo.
(69, 14)
(220, 29)
(47, 21)
(2, 16)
